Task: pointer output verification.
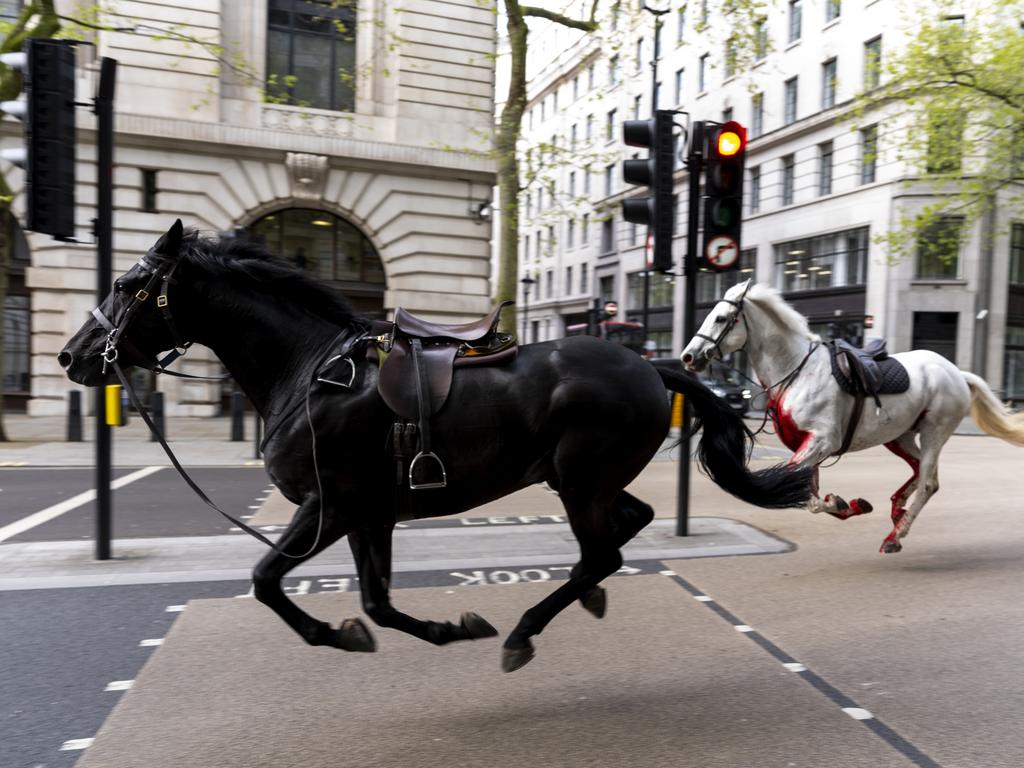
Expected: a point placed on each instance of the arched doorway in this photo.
(15, 382)
(330, 248)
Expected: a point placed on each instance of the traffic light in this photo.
(657, 210)
(48, 111)
(723, 195)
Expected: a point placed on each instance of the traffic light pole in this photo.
(694, 163)
(104, 230)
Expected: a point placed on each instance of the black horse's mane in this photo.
(240, 260)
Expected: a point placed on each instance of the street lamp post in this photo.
(527, 282)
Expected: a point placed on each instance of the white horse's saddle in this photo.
(868, 371)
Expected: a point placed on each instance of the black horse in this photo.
(583, 415)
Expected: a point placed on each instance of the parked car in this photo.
(724, 382)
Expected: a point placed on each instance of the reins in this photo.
(110, 356)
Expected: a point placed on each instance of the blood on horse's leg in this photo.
(933, 436)
(906, 448)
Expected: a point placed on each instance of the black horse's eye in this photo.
(118, 287)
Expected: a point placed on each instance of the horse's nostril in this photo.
(65, 359)
(687, 358)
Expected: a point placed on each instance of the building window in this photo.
(609, 126)
(795, 19)
(756, 115)
(825, 154)
(148, 202)
(825, 261)
(872, 63)
(570, 233)
(585, 229)
(755, 189)
(760, 39)
(613, 70)
(789, 109)
(607, 236)
(573, 135)
(945, 140)
(590, 129)
(788, 178)
(575, 87)
(679, 86)
(828, 84)
(730, 58)
(1017, 254)
(586, 182)
(657, 42)
(938, 249)
(572, 185)
(832, 10)
(639, 54)
(567, 288)
(702, 73)
(549, 283)
(659, 291)
(1013, 363)
(727, 114)
(609, 180)
(311, 57)
(937, 332)
(584, 278)
(590, 77)
(868, 154)
(637, 106)
(680, 24)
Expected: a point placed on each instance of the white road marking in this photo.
(174, 609)
(742, 628)
(666, 573)
(857, 713)
(151, 642)
(73, 744)
(794, 666)
(703, 599)
(50, 513)
(255, 506)
(119, 685)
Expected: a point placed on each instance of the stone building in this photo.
(354, 142)
(822, 183)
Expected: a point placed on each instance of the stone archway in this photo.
(329, 247)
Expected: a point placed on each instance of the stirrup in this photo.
(412, 465)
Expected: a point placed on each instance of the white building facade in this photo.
(822, 185)
(353, 141)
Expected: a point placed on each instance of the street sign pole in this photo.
(104, 229)
(694, 165)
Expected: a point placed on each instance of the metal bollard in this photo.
(156, 414)
(237, 417)
(74, 416)
(258, 432)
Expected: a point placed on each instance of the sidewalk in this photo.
(196, 441)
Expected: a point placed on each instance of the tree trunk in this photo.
(508, 164)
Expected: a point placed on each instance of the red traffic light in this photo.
(731, 139)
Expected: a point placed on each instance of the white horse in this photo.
(812, 414)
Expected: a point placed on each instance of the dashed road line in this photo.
(75, 744)
(829, 691)
(174, 609)
(151, 642)
(119, 685)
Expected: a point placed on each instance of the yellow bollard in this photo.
(677, 411)
(115, 413)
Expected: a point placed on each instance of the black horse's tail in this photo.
(724, 448)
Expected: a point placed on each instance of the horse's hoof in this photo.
(596, 601)
(476, 626)
(890, 547)
(516, 658)
(861, 506)
(354, 635)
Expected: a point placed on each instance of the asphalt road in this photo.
(926, 641)
(159, 504)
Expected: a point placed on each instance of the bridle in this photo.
(161, 271)
(729, 325)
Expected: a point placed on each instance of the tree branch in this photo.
(559, 18)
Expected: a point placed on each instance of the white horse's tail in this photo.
(991, 415)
